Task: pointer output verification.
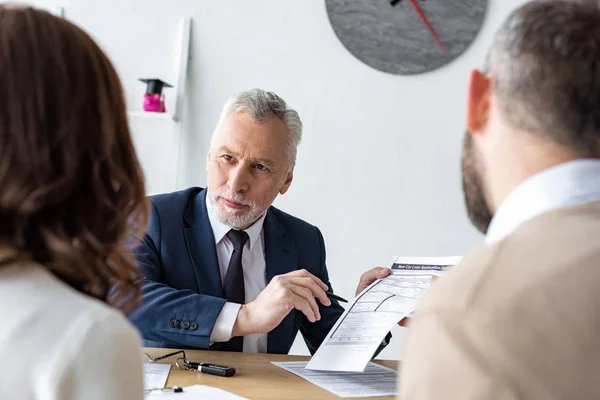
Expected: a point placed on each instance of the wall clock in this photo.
(406, 36)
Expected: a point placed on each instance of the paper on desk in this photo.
(375, 381)
(155, 375)
(195, 392)
(353, 340)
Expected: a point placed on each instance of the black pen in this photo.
(336, 297)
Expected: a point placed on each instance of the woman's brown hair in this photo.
(72, 193)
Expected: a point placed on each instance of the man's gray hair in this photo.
(545, 63)
(261, 105)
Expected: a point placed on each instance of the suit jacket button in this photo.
(173, 323)
(193, 326)
(185, 324)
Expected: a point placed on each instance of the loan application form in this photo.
(353, 340)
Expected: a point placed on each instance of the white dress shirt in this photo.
(568, 184)
(254, 266)
(59, 344)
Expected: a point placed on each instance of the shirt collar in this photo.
(220, 229)
(568, 184)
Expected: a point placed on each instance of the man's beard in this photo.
(237, 219)
(477, 208)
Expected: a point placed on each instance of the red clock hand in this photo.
(426, 22)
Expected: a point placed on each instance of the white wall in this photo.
(378, 170)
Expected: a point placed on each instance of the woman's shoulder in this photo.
(77, 340)
(100, 348)
(48, 304)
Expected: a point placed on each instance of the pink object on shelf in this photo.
(154, 103)
(154, 99)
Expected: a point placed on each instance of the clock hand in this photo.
(426, 22)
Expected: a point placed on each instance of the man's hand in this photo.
(371, 276)
(296, 289)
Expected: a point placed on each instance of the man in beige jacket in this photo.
(520, 319)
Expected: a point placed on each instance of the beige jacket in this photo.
(517, 320)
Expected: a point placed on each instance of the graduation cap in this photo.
(155, 86)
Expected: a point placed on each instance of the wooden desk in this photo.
(255, 377)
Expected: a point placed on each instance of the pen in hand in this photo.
(336, 297)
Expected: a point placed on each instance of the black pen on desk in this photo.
(336, 297)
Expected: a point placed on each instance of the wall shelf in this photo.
(158, 137)
(181, 76)
(149, 115)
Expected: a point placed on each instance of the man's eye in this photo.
(260, 167)
(226, 157)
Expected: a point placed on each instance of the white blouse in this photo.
(56, 343)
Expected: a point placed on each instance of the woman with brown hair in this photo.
(72, 198)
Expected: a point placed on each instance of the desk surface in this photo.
(255, 378)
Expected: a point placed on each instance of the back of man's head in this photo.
(545, 63)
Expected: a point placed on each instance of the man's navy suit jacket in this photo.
(182, 291)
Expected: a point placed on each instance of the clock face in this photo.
(406, 36)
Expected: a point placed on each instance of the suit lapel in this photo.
(201, 246)
(281, 257)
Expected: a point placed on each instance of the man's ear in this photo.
(288, 181)
(478, 101)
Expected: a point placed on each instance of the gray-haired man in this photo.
(223, 268)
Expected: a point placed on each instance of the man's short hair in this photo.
(261, 104)
(545, 62)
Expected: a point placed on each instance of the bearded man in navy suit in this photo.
(225, 270)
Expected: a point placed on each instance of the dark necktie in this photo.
(234, 282)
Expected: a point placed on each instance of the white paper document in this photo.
(196, 392)
(354, 339)
(155, 375)
(375, 381)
